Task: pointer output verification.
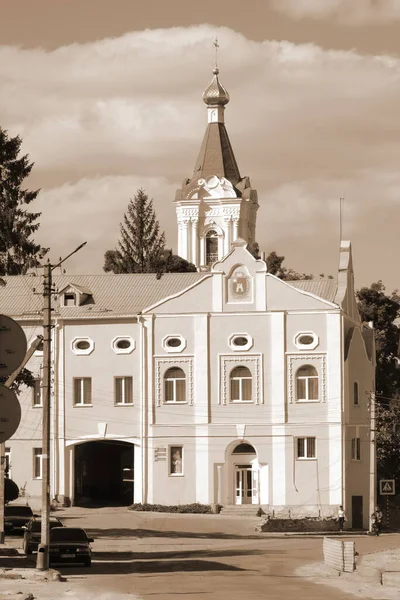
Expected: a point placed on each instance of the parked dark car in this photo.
(32, 533)
(15, 517)
(69, 545)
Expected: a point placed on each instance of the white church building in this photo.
(225, 386)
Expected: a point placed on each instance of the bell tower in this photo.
(216, 205)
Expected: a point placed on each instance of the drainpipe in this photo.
(143, 407)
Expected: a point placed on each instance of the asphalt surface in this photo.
(199, 557)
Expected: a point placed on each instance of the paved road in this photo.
(205, 557)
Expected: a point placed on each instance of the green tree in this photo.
(388, 438)
(383, 309)
(18, 251)
(275, 267)
(141, 248)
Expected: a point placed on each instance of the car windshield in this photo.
(67, 534)
(18, 511)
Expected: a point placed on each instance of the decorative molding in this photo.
(311, 346)
(168, 362)
(187, 212)
(160, 454)
(223, 211)
(253, 361)
(241, 431)
(316, 360)
(176, 349)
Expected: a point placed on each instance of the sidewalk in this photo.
(377, 574)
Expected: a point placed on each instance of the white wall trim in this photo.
(314, 359)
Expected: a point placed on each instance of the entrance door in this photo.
(357, 512)
(246, 485)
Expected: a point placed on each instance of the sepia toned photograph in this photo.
(199, 300)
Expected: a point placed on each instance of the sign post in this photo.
(387, 487)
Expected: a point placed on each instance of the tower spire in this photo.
(216, 96)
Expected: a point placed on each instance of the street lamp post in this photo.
(42, 561)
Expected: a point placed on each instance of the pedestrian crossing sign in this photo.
(387, 487)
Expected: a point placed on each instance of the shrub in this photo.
(194, 508)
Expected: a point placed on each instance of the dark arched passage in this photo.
(104, 473)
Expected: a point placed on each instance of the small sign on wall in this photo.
(160, 454)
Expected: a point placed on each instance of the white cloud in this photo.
(346, 12)
(105, 118)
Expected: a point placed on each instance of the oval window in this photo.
(82, 345)
(306, 340)
(123, 344)
(240, 341)
(174, 342)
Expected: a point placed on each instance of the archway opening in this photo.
(104, 473)
(245, 474)
(211, 247)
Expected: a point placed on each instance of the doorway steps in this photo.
(240, 510)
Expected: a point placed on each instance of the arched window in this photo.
(306, 384)
(175, 385)
(241, 385)
(211, 246)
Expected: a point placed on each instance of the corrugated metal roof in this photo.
(21, 297)
(323, 288)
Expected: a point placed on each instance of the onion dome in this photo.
(215, 94)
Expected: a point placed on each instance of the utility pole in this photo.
(8, 384)
(42, 562)
(372, 460)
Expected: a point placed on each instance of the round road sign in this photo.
(10, 413)
(13, 345)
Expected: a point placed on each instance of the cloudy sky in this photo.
(107, 98)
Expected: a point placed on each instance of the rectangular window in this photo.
(306, 448)
(82, 391)
(356, 448)
(7, 462)
(355, 394)
(176, 460)
(37, 463)
(37, 397)
(123, 390)
(69, 300)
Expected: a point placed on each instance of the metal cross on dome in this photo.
(216, 45)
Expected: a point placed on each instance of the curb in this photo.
(31, 574)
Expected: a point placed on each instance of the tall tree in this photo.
(18, 251)
(383, 309)
(141, 248)
(141, 243)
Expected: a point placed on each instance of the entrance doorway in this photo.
(246, 474)
(356, 512)
(104, 473)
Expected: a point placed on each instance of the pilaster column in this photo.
(185, 239)
(227, 241)
(195, 241)
(219, 484)
(202, 251)
(235, 228)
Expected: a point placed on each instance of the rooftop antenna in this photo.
(341, 218)
(216, 46)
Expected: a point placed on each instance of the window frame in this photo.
(39, 456)
(120, 338)
(174, 380)
(356, 449)
(243, 348)
(37, 383)
(70, 296)
(79, 351)
(171, 349)
(356, 394)
(123, 379)
(240, 380)
(306, 444)
(170, 448)
(82, 391)
(301, 346)
(306, 379)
